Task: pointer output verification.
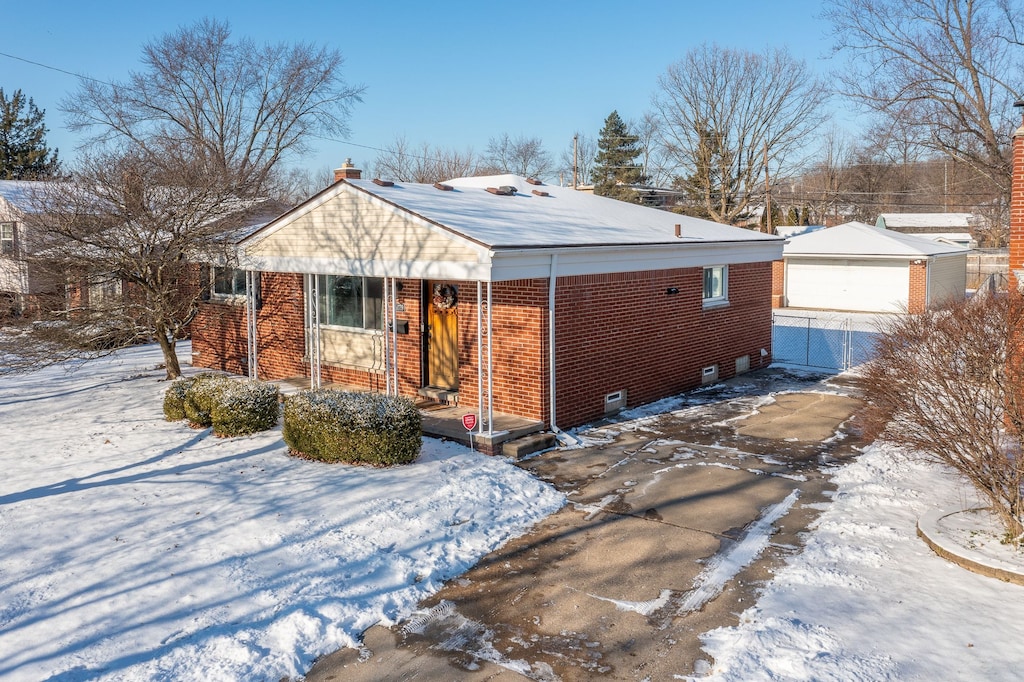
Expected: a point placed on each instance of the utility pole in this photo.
(767, 193)
(575, 139)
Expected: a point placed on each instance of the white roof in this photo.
(947, 220)
(19, 193)
(860, 240)
(566, 217)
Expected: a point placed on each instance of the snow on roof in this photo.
(859, 239)
(951, 220)
(19, 193)
(564, 217)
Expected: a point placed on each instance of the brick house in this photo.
(500, 293)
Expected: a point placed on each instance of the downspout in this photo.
(394, 334)
(479, 359)
(388, 324)
(563, 437)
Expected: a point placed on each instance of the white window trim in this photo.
(12, 240)
(716, 301)
(225, 298)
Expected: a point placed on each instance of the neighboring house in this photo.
(957, 228)
(499, 293)
(857, 267)
(21, 288)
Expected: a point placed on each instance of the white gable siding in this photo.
(947, 278)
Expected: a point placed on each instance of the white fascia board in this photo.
(536, 263)
(417, 269)
(851, 256)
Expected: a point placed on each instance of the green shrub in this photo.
(202, 395)
(358, 428)
(174, 399)
(245, 407)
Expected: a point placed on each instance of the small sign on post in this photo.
(469, 421)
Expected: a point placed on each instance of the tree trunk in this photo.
(167, 345)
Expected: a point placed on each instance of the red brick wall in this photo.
(623, 331)
(1017, 207)
(917, 300)
(614, 332)
(778, 284)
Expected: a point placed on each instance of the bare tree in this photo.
(180, 156)
(659, 170)
(523, 156)
(823, 185)
(948, 385)
(720, 109)
(234, 109)
(404, 163)
(942, 72)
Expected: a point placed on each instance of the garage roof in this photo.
(858, 239)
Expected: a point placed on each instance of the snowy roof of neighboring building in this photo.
(905, 220)
(860, 239)
(959, 237)
(547, 216)
(19, 193)
(790, 231)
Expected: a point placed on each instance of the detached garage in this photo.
(858, 267)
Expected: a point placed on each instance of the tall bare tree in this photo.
(522, 155)
(178, 157)
(402, 162)
(721, 108)
(944, 72)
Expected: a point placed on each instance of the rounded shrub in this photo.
(357, 428)
(202, 395)
(245, 407)
(174, 399)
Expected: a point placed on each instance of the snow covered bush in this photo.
(174, 399)
(948, 384)
(202, 395)
(358, 428)
(245, 407)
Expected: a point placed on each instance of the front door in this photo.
(443, 335)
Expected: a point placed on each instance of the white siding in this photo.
(947, 278)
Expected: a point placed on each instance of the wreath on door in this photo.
(446, 297)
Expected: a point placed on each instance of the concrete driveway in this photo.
(673, 523)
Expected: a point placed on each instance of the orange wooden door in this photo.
(443, 343)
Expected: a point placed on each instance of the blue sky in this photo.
(453, 74)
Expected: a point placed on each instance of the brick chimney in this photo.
(1017, 206)
(347, 172)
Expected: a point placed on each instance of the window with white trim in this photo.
(6, 239)
(351, 301)
(716, 285)
(228, 282)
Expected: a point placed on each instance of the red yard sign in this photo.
(469, 421)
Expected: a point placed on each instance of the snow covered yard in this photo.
(868, 600)
(137, 549)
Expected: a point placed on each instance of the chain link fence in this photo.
(824, 340)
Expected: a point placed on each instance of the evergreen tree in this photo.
(615, 166)
(23, 151)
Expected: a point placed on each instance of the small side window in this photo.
(228, 282)
(716, 285)
(6, 239)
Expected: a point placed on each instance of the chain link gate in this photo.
(832, 341)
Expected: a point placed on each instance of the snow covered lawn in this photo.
(868, 600)
(136, 549)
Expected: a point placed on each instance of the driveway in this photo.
(674, 520)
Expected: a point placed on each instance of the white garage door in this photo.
(838, 284)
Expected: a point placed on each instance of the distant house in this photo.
(956, 228)
(21, 287)
(499, 293)
(857, 267)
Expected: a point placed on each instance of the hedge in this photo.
(202, 395)
(357, 428)
(245, 407)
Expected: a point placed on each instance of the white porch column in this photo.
(252, 283)
(313, 336)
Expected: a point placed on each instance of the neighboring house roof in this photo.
(949, 221)
(509, 234)
(18, 193)
(856, 239)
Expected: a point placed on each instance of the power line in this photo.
(54, 68)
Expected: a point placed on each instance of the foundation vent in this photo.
(742, 364)
(613, 402)
(709, 375)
